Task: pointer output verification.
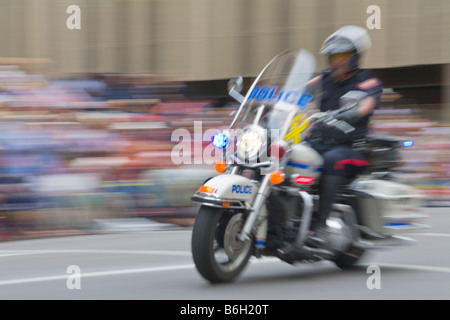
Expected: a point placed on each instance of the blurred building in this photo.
(204, 39)
(216, 39)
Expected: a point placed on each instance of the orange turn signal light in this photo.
(220, 166)
(206, 189)
(276, 177)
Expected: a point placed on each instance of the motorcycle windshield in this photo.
(281, 91)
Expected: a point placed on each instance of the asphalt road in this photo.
(158, 265)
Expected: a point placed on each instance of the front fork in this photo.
(258, 214)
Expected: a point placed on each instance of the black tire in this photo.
(218, 255)
(346, 260)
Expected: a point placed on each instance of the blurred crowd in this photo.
(425, 159)
(75, 151)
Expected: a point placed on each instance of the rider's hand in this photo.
(349, 116)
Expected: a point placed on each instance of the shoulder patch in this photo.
(369, 84)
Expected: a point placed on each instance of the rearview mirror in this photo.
(236, 83)
(235, 86)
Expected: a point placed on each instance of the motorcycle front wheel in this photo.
(218, 254)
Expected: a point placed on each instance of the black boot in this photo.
(328, 188)
(329, 185)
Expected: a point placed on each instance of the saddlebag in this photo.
(389, 208)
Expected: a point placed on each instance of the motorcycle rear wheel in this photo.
(218, 254)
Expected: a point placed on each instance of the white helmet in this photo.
(347, 38)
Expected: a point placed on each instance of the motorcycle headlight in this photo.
(250, 143)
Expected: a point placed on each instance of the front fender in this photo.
(227, 191)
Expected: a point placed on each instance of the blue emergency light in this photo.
(220, 140)
(408, 143)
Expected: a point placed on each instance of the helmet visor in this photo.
(339, 57)
(337, 45)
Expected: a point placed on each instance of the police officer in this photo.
(343, 50)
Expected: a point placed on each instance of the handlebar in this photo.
(341, 125)
(329, 119)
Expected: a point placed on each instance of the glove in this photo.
(349, 116)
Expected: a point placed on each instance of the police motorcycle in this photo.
(263, 200)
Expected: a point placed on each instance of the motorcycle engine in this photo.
(284, 217)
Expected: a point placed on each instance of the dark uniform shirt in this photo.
(362, 80)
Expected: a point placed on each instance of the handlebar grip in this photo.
(329, 120)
